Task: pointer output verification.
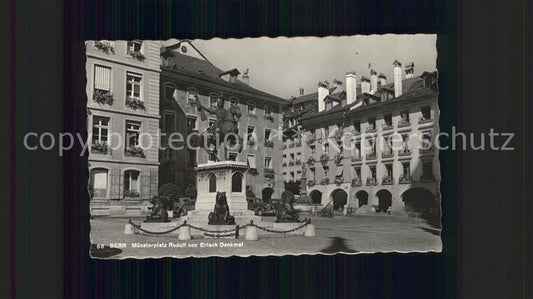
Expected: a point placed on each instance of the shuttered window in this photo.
(102, 77)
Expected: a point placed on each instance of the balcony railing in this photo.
(405, 179)
(404, 152)
(371, 182)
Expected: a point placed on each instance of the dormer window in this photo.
(134, 49)
(192, 95)
(268, 110)
(213, 98)
(251, 108)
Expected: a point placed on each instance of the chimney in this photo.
(351, 85)
(323, 92)
(246, 78)
(301, 91)
(365, 85)
(382, 79)
(373, 81)
(397, 78)
(409, 70)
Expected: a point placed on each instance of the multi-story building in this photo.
(371, 146)
(123, 122)
(188, 77)
(292, 148)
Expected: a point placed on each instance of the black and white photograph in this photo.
(263, 146)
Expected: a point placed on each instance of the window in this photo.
(134, 46)
(373, 172)
(213, 98)
(169, 91)
(313, 149)
(267, 134)
(191, 157)
(426, 141)
(250, 134)
(211, 122)
(357, 172)
(292, 175)
(298, 156)
(404, 117)
(211, 157)
(133, 86)
(268, 110)
(102, 78)
(372, 144)
(192, 95)
(236, 182)
(268, 162)
(326, 148)
(169, 121)
(99, 183)
(212, 183)
(192, 123)
(388, 120)
(131, 183)
(406, 170)
(234, 101)
(372, 123)
(388, 168)
(357, 149)
(326, 132)
(251, 108)
(250, 161)
(426, 113)
(284, 159)
(232, 156)
(100, 129)
(326, 171)
(133, 129)
(357, 125)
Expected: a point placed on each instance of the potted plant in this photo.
(269, 117)
(135, 103)
(99, 147)
(137, 55)
(134, 151)
(324, 181)
(103, 97)
(105, 47)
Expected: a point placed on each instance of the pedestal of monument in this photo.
(223, 176)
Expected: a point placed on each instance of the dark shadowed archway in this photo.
(316, 196)
(340, 198)
(362, 198)
(418, 200)
(384, 200)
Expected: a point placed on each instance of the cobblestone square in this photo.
(348, 234)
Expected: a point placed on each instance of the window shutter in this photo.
(102, 77)
(114, 192)
(145, 185)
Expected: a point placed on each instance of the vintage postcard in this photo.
(263, 146)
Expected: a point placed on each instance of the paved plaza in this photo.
(349, 234)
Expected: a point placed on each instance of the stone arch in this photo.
(384, 200)
(236, 182)
(316, 196)
(212, 180)
(418, 199)
(362, 198)
(339, 198)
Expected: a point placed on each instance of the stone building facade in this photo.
(187, 76)
(369, 147)
(123, 122)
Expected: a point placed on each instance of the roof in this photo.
(205, 70)
(411, 87)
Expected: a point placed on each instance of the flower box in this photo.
(253, 171)
(298, 162)
(291, 163)
(371, 156)
(356, 182)
(269, 143)
(135, 104)
(404, 179)
(324, 158)
(339, 180)
(100, 147)
(137, 55)
(131, 193)
(324, 181)
(103, 97)
(251, 142)
(311, 160)
(134, 151)
(404, 152)
(386, 180)
(371, 182)
(310, 183)
(105, 47)
(338, 158)
(269, 117)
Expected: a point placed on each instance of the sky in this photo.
(280, 66)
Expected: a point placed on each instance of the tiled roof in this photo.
(205, 70)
